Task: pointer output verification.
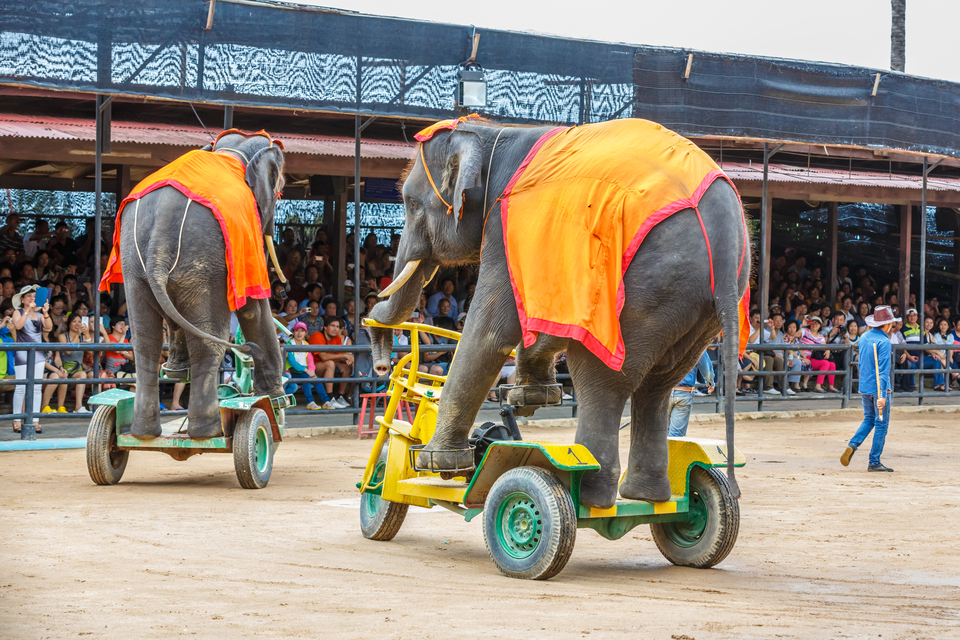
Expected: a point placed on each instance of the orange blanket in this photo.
(575, 213)
(215, 180)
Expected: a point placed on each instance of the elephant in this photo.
(172, 250)
(670, 311)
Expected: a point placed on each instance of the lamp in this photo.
(471, 87)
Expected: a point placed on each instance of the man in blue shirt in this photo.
(445, 293)
(874, 387)
(681, 401)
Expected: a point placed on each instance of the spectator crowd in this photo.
(803, 316)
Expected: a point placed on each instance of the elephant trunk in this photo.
(398, 307)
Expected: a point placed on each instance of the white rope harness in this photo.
(136, 240)
(489, 165)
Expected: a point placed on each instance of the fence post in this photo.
(847, 368)
(27, 430)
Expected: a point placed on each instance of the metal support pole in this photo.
(27, 430)
(923, 247)
(764, 266)
(356, 243)
(97, 231)
(228, 117)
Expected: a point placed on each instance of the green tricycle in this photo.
(529, 491)
(252, 428)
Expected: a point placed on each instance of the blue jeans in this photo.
(872, 423)
(681, 402)
(939, 379)
(290, 387)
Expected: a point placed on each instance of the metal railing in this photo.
(844, 396)
(27, 415)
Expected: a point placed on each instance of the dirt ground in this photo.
(179, 549)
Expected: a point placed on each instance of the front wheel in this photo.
(253, 449)
(105, 462)
(529, 524)
(708, 536)
(380, 519)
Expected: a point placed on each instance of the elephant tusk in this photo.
(273, 258)
(435, 269)
(401, 279)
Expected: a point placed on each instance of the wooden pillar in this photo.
(123, 182)
(832, 223)
(906, 244)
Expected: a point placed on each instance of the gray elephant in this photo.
(174, 253)
(673, 305)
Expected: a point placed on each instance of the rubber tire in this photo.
(245, 462)
(723, 523)
(558, 522)
(105, 463)
(380, 519)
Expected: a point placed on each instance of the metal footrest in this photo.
(504, 389)
(283, 402)
(417, 448)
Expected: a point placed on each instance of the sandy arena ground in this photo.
(179, 550)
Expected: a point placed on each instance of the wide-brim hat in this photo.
(881, 315)
(27, 289)
(812, 318)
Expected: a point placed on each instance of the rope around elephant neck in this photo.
(489, 165)
(432, 183)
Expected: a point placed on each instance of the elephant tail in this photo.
(159, 288)
(732, 279)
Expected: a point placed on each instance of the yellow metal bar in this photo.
(374, 456)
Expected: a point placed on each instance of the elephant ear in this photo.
(462, 170)
(265, 178)
(209, 147)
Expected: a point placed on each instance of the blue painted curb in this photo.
(37, 445)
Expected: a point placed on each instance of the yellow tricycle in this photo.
(529, 491)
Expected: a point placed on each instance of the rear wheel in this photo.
(380, 519)
(105, 462)
(708, 536)
(529, 524)
(253, 449)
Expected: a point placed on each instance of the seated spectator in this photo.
(369, 303)
(349, 311)
(863, 310)
(7, 288)
(290, 314)
(313, 320)
(793, 360)
(819, 359)
(299, 368)
(331, 363)
(119, 364)
(58, 315)
(445, 293)
(37, 239)
(28, 274)
(68, 364)
(278, 297)
(314, 293)
(10, 239)
(7, 336)
(943, 359)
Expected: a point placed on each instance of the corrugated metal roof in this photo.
(784, 173)
(18, 126)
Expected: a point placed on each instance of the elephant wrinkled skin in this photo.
(669, 315)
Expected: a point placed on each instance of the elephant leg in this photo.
(178, 358)
(535, 366)
(257, 324)
(646, 477)
(146, 333)
(602, 394)
(647, 465)
(204, 410)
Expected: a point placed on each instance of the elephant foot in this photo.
(446, 460)
(526, 399)
(146, 429)
(204, 427)
(636, 486)
(597, 491)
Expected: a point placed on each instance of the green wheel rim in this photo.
(260, 450)
(689, 532)
(519, 525)
(372, 501)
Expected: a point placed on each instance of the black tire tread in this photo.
(390, 516)
(722, 545)
(561, 510)
(244, 447)
(99, 435)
